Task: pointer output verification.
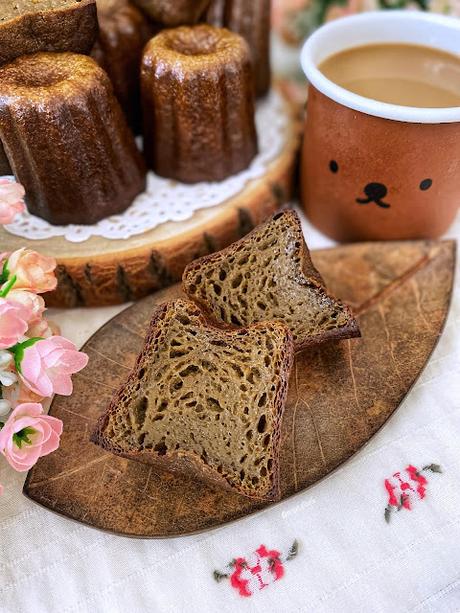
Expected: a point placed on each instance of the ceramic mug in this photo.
(372, 170)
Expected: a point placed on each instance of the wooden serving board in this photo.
(101, 271)
(340, 394)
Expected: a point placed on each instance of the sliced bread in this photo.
(269, 275)
(29, 26)
(205, 399)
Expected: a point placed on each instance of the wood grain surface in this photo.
(340, 394)
(102, 271)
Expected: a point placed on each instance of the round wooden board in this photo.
(101, 271)
(340, 394)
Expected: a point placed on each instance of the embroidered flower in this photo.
(11, 200)
(46, 365)
(14, 318)
(27, 269)
(402, 490)
(28, 435)
(257, 571)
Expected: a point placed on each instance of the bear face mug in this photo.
(374, 170)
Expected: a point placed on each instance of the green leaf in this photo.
(4, 292)
(5, 273)
(22, 437)
(434, 468)
(293, 551)
(19, 349)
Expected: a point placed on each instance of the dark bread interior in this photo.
(205, 399)
(269, 275)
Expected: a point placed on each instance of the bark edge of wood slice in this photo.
(340, 395)
(101, 272)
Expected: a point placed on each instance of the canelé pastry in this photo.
(269, 275)
(173, 12)
(205, 400)
(66, 138)
(198, 104)
(123, 33)
(29, 26)
(252, 20)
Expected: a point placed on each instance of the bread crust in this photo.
(309, 276)
(73, 28)
(186, 462)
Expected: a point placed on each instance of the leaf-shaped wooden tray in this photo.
(340, 394)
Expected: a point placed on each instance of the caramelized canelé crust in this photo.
(123, 33)
(198, 104)
(66, 138)
(173, 12)
(252, 20)
(29, 26)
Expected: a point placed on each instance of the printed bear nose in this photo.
(376, 191)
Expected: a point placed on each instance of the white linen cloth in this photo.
(349, 559)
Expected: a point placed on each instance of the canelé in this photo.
(251, 19)
(66, 138)
(198, 104)
(30, 26)
(173, 12)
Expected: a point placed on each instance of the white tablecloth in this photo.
(349, 559)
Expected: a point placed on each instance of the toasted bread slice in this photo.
(205, 399)
(269, 275)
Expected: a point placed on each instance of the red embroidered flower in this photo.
(258, 571)
(400, 488)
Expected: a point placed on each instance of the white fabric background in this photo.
(350, 560)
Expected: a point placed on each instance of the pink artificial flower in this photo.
(35, 303)
(14, 318)
(33, 271)
(1, 489)
(43, 329)
(11, 200)
(47, 366)
(29, 434)
(18, 393)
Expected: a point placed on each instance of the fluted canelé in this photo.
(252, 20)
(66, 138)
(198, 104)
(174, 12)
(123, 33)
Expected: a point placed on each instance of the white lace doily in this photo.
(166, 200)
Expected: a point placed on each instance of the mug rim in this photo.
(370, 106)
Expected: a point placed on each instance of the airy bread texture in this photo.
(204, 399)
(269, 275)
(29, 26)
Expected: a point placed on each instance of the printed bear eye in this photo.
(334, 167)
(426, 184)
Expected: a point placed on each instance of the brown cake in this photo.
(252, 20)
(123, 33)
(173, 12)
(29, 26)
(198, 104)
(66, 138)
(204, 400)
